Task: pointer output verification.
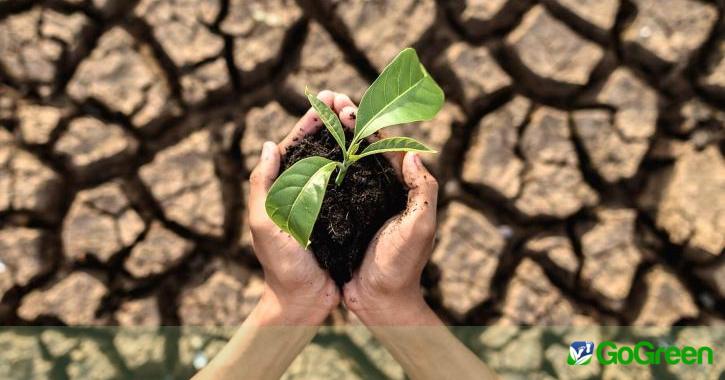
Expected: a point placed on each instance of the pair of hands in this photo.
(384, 292)
(386, 288)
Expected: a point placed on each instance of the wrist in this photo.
(277, 308)
(400, 308)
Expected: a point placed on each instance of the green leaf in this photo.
(403, 93)
(295, 198)
(395, 144)
(329, 118)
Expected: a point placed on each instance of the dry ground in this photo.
(581, 166)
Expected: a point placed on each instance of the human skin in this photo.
(384, 293)
(298, 295)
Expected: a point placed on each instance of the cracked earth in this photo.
(581, 166)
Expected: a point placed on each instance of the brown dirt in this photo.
(352, 213)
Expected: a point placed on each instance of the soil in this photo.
(353, 212)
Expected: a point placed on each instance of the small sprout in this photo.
(403, 93)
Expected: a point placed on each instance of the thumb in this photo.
(263, 176)
(423, 193)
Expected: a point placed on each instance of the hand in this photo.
(297, 290)
(386, 288)
(385, 291)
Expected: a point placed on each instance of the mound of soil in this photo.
(353, 212)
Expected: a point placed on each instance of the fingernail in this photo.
(350, 112)
(267, 150)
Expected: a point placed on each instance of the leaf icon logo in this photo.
(573, 353)
(580, 353)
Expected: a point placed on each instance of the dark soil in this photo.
(353, 212)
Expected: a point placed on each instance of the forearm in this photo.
(423, 346)
(431, 352)
(264, 346)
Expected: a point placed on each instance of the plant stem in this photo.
(341, 173)
(353, 148)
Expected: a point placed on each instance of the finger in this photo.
(347, 117)
(423, 194)
(341, 101)
(261, 180)
(308, 124)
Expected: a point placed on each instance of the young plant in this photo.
(403, 93)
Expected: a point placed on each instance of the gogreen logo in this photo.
(643, 353)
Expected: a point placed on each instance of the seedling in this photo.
(403, 93)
